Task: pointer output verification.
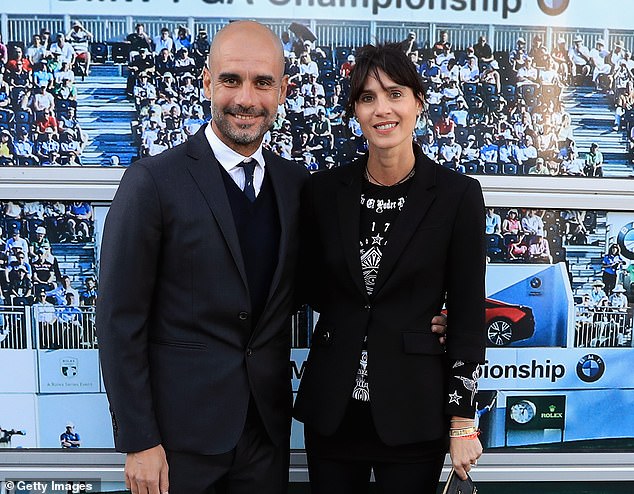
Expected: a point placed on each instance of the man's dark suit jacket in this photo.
(435, 248)
(179, 356)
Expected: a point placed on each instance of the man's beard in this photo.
(241, 134)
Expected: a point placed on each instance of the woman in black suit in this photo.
(388, 240)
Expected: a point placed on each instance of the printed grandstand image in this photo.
(501, 100)
(103, 91)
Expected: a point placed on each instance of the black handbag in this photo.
(455, 485)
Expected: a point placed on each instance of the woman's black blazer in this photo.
(435, 253)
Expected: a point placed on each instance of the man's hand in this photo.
(146, 471)
(439, 326)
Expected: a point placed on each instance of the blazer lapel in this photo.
(349, 208)
(420, 197)
(281, 188)
(205, 170)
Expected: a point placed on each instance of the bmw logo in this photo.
(553, 7)
(625, 240)
(590, 368)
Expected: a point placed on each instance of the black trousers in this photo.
(254, 466)
(342, 463)
(353, 477)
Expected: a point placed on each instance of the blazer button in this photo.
(367, 306)
(326, 336)
(243, 316)
(249, 352)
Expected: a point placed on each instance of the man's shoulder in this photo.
(290, 168)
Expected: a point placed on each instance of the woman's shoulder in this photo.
(448, 178)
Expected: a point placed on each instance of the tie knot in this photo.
(248, 166)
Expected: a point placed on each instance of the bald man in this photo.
(198, 259)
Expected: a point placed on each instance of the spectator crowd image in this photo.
(47, 265)
(495, 112)
(38, 98)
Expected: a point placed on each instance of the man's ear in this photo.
(283, 89)
(207, 86)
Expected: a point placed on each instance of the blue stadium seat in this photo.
(480, 130)
(6, 117)
(471, 167)
(528, 93)
(471, 100)
(509, 169)
(324, 64)
(510, 238)
(559, 255)
(99, 52)
(509, 93)
(329, 88)
(435, 112)
(461, 57)
(494, 251)
(327, 75)
(462, 133)
(491, 169)
(23, 128)
(489, 89)
(341, 54)
(469, 88)
(492, 100)
(555, 241)
(61, 107)
(22, 117)
(120, 52)
(296, 119)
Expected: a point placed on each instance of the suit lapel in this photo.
(349, 209)
(420, 197)
(281, 188)
(205, 170)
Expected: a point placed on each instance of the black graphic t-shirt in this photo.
(380, 206)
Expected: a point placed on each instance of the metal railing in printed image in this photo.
(603, 326)
(47, 327)
(52, 327)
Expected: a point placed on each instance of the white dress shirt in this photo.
(230, 160)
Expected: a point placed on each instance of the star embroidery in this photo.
(377, 239)
(455, 398)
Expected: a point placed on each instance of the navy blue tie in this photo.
(248, 166)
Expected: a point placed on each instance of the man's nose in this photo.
(246, 95)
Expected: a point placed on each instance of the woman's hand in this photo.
(464, 454)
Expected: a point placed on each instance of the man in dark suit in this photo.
(197, 267)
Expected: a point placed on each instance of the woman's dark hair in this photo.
(388, 58)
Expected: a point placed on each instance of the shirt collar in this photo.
(226, 156)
